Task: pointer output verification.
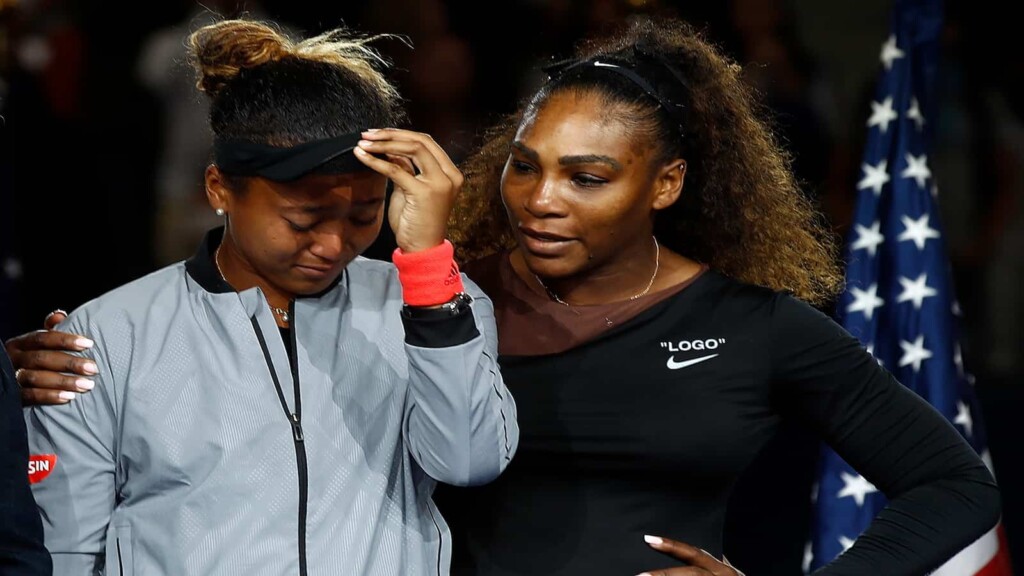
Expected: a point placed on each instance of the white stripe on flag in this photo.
(973, 558)
(976, 556)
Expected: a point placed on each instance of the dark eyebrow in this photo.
(370, 201)
(590, 159)
(306, 209)
(318, 209)
(527, 151)
(570, 160)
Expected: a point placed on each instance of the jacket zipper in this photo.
(295, 419)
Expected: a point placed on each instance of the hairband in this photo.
(645, 65)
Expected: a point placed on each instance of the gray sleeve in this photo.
(74, 564)
(460, 420)
(76, 497)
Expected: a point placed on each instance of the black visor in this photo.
(245, 158)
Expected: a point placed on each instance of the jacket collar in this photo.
(201, 266)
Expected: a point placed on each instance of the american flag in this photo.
(899, 299)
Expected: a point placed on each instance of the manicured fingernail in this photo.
(84, 385)
(365, 143)
(372, 129)
(644, 574)
(83, 342)
(65, 395)
(652, 539)
(90, 368)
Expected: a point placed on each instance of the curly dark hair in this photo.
(742, 211)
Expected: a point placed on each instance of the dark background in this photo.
(94, 190)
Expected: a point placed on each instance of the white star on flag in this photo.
(917, 168)
(917, 230)
(874, 177)
(868, 238)
(882, 113)
(908, 315)
(857, 486)
(890, 52)
(914, 113)
(914, 353)
(865, 300)
(845, 543)
(963, 417)
(915, 290)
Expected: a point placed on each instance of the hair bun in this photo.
(222, 50)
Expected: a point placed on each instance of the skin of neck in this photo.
(242, 276)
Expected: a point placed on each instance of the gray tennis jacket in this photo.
(203, 450)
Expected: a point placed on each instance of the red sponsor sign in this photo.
(40, 466)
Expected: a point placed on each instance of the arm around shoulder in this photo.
(21, 533)
(75, 483)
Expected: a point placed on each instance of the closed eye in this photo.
(366, 213)
(298, 227)
(364, 221)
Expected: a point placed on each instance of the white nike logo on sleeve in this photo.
(673, 365)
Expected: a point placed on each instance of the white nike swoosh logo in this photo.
(673, 365)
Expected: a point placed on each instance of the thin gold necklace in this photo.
(657, 265)
(279, 311)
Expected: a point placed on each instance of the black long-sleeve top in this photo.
(645, 429)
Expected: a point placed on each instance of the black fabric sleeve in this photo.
(21, 529)
(441, 331)
(941, 495)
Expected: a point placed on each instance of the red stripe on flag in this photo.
(999, 565)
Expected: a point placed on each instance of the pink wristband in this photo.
(429, 277)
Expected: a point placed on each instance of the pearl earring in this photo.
(219, 211)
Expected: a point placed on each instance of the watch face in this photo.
(459, 302)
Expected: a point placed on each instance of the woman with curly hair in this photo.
(654, 267)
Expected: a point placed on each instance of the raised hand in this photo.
(426, 183)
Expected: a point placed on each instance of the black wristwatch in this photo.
(459, 304)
